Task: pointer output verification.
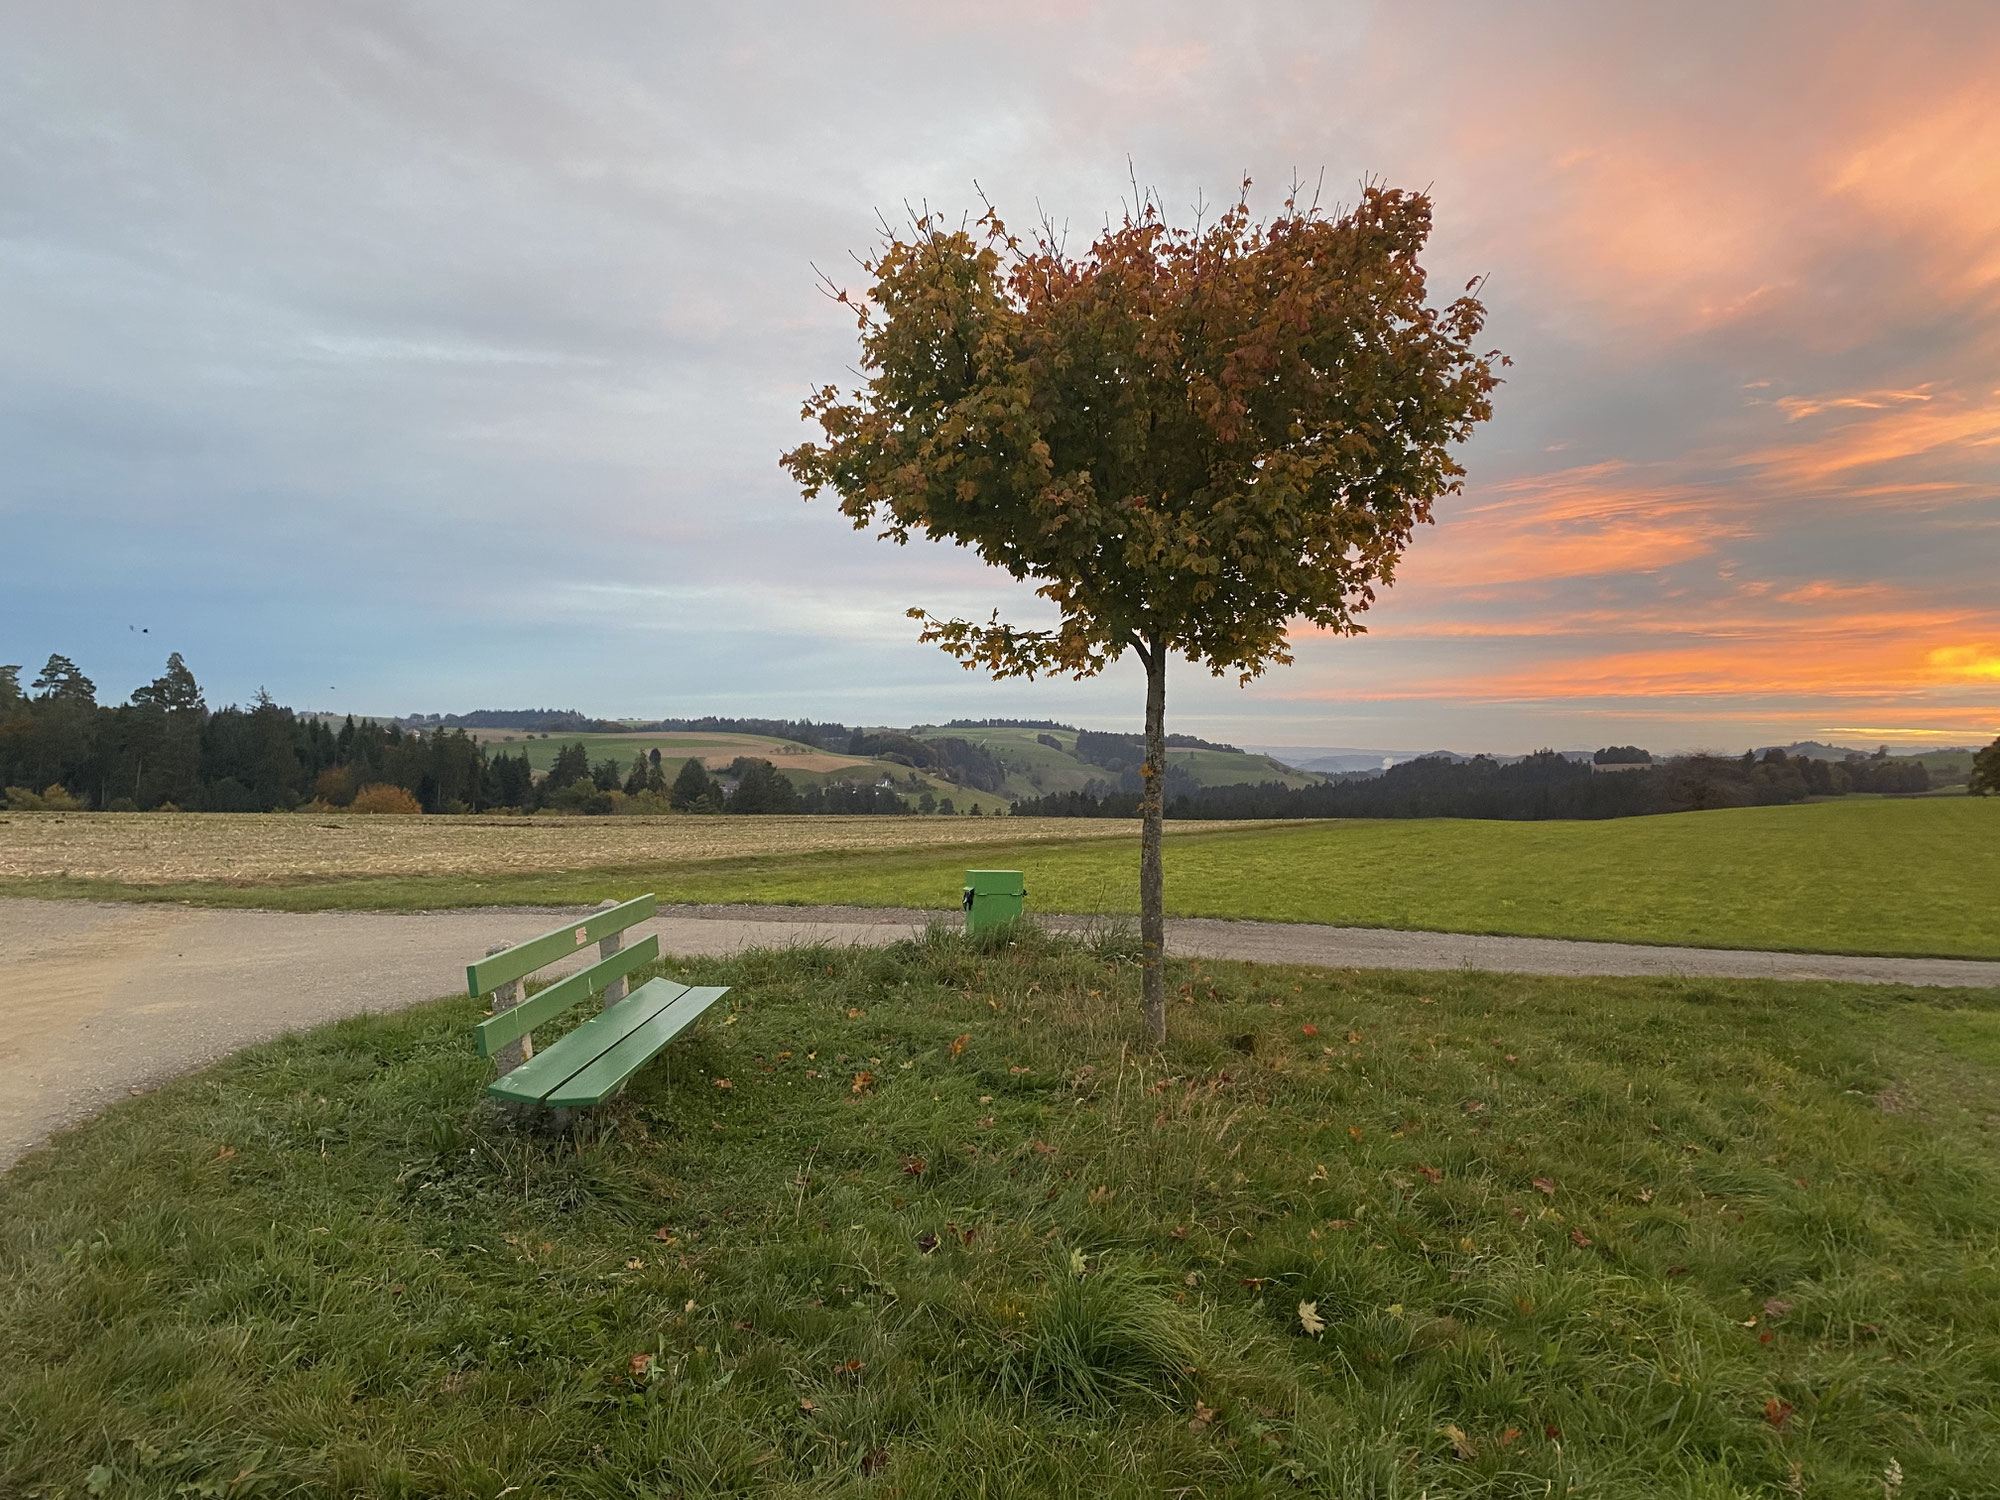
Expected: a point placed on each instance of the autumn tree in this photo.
(1188, 438)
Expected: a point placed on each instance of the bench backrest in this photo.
(486, 975)
(517, 1016)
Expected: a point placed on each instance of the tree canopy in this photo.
(1189, 436)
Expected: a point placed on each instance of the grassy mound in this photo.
(928, 1221)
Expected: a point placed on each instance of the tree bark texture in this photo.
(1152, 880)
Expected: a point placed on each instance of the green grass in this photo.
(1858, 875)
(1594, 1237)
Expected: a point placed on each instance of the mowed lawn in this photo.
(1915, 876)
(931, 1221)
(1857, 875)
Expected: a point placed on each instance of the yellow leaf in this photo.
(1310, 1320)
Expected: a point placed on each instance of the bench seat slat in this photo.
(486, 975)
(597, 1082)
(515, 1022)
(569, 1055)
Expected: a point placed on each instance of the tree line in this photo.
(166, 749)
(1545, 785)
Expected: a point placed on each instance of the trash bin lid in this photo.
(996, 883)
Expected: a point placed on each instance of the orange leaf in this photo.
(1546, 1185)
(641, 1363)
(1578, 1237)
(863, 1081)
(958, 1046)
(1433, 1173)
(1775, 1411)
(1309, 1029)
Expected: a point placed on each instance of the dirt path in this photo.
(99, 1000)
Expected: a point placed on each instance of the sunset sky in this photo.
(432, 358)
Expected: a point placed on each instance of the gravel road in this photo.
(100, 1000)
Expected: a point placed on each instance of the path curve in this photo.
(103, 999)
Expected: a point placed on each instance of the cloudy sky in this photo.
(437, 357)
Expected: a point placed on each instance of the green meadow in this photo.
(928, 1221)
(1855, 875)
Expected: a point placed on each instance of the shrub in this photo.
(579, 797)
(52, 798)
(383, 797)
(335, 786)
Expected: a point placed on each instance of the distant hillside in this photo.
(1033, 762)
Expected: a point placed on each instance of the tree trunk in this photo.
(1152, 883)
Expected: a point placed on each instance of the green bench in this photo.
(591, 1063)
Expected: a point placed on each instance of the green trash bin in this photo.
(992, 899)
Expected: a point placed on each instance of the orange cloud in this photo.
(1584, 522)
(1936, 174)
(1965, 663)
(1898, 432)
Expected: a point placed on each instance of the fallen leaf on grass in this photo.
(665, 1233)
(1354, 1132)
(635, 1264)
(1433, 1173)
(958, 1045)
(806, 1403)
(641, 1363)
(926, 1242)
(1775, 1412)
(1552, 1432)
(1776, 1307)
(1462, 1447)
(1310, 1320)
(1545, 1185)
(1353, 1038)
(851, 1368)
(914, 1166)
(1579, 1238)
(224, 1153)
(985, 1122)
(1507, 1438)
(855, 1013)
(1203, 1415)
(863, 1081)
(873, 1459)
(1043, 1148)
(724, 1083)
(1309, 1029)
(1340, 1223)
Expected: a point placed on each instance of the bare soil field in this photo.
(253, 848)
